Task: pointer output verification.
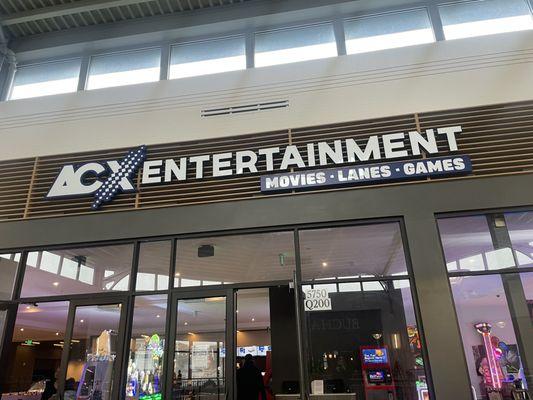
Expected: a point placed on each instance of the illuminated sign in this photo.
(106, 179)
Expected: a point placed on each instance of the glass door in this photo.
(199, 362)
(91, 364)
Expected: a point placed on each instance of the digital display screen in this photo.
(375, 356)
(376, 376)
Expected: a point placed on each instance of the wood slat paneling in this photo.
(498, 138)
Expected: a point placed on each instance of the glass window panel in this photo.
(365, 335)
(90, 264)
(388, 31)
(520, 227)
(93, 351)
(34, 355)
(200, 341)
(147, 346)
(8, 268)
(371, 250)
(233, 259)
(294, 44)
(154, 265)
(46, 79)
(266, 331)
(466, 240)
(207, 57)
(485, 17)
(489, 339)
(125, 68)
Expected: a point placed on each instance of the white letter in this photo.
(249, 165)
(417, 140)
(171, 168)
(292, 157)
(199, 161)
(150, 169)
(71, 183)
(222, 160)
(269, 155)
(371, 150)
(450, 132)
(390, 146)
(311, 155)
(325, 149)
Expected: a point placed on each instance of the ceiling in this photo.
(21, 18)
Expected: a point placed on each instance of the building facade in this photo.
(340, 190)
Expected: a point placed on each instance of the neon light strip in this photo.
(489, 349)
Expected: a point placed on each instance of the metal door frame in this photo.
(121, 340)
(230, 327)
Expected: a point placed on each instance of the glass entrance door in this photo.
(92, 361)
(199, 369)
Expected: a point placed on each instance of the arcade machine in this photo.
(377, 373)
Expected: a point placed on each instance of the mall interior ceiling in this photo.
(39, 29)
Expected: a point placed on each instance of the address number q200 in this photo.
(317, 300)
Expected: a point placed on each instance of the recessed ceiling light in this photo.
(158, 316)
(82, 321)
(186, 323)
(55, 283)
(324, 264)
(253, 319)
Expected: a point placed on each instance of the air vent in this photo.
(271, 105)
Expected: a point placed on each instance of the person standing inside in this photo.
(250, 381)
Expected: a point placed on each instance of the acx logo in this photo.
(72, 180)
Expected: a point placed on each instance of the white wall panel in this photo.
(450, 74)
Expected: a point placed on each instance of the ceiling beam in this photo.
(65, 9)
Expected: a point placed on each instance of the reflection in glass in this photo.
(388, 31)
(467, 245)
(520, 227)
(365, 341)
(294, 44)
(147, 344)
(365, 250)
(34, 357)
(200, 349)
(231, 259)
(8, 266)
(489, 339)
(75, 271)
(154, 265)
(93, 351)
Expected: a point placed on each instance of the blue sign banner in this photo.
(365, 174)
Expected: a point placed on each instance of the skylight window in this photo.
(294, 44)
(46, 79)
(485, 17)
(387, 31)
(126, 68)
(207, 57)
